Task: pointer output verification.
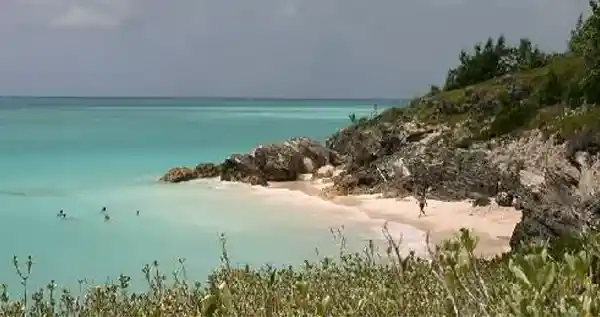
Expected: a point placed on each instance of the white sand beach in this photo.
(493, 225)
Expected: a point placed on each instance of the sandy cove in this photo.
(493, 225)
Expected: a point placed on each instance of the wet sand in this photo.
(493, 225)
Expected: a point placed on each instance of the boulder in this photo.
(279, 162)
(314, 154)
(285, 161)
(207, 170)
(239, 167)
(357, 144)
(344, 184)
(256, 180)
(325, 171)
(504, 199)
(179, 174)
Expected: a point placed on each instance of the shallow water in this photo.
(81, 154)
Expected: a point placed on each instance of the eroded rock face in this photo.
(557, 211)
(314, 154)
(278, 162)
(208, 170)
(412, 158)
(274, 162)
(557, 181)
(285, 161)
(179, 174)
(239, 167)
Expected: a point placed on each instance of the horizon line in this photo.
(202, 97)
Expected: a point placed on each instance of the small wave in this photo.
(10, 193)
(31, 193)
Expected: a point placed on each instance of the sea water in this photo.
(79, 155)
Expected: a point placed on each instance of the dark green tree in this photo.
(493, 60)
(586, 42)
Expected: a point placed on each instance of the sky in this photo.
(257, 48)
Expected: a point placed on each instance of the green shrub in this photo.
(508, 119)
(552, 89)
(352, 118)
(574, 95)
(452, 282)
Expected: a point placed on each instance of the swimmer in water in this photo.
(103, 209)
(106, 217)
(60, 213)
(137, 213)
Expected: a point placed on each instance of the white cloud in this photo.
(73, 13)
(85, 17)
(289, 9)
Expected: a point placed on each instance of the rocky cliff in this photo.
(496, 139)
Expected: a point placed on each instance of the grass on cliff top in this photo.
(453, 283)
(552, 102)
(567, 67)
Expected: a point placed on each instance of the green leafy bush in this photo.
(509, 119)
(452, 282)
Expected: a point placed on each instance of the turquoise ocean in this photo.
(80, 154)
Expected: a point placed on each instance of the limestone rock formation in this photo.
(277, 162)
(242, 168)
(281, 162)
(557, 180)
(207, 170)
(407, 158)
(179, 174)
(556, 213)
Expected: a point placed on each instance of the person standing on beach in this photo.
(422, 203)
(516, 202)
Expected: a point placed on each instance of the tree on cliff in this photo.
(585, 41)
(493, 60)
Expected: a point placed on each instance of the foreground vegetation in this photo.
(537, 282)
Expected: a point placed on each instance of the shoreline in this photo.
(492, 224)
